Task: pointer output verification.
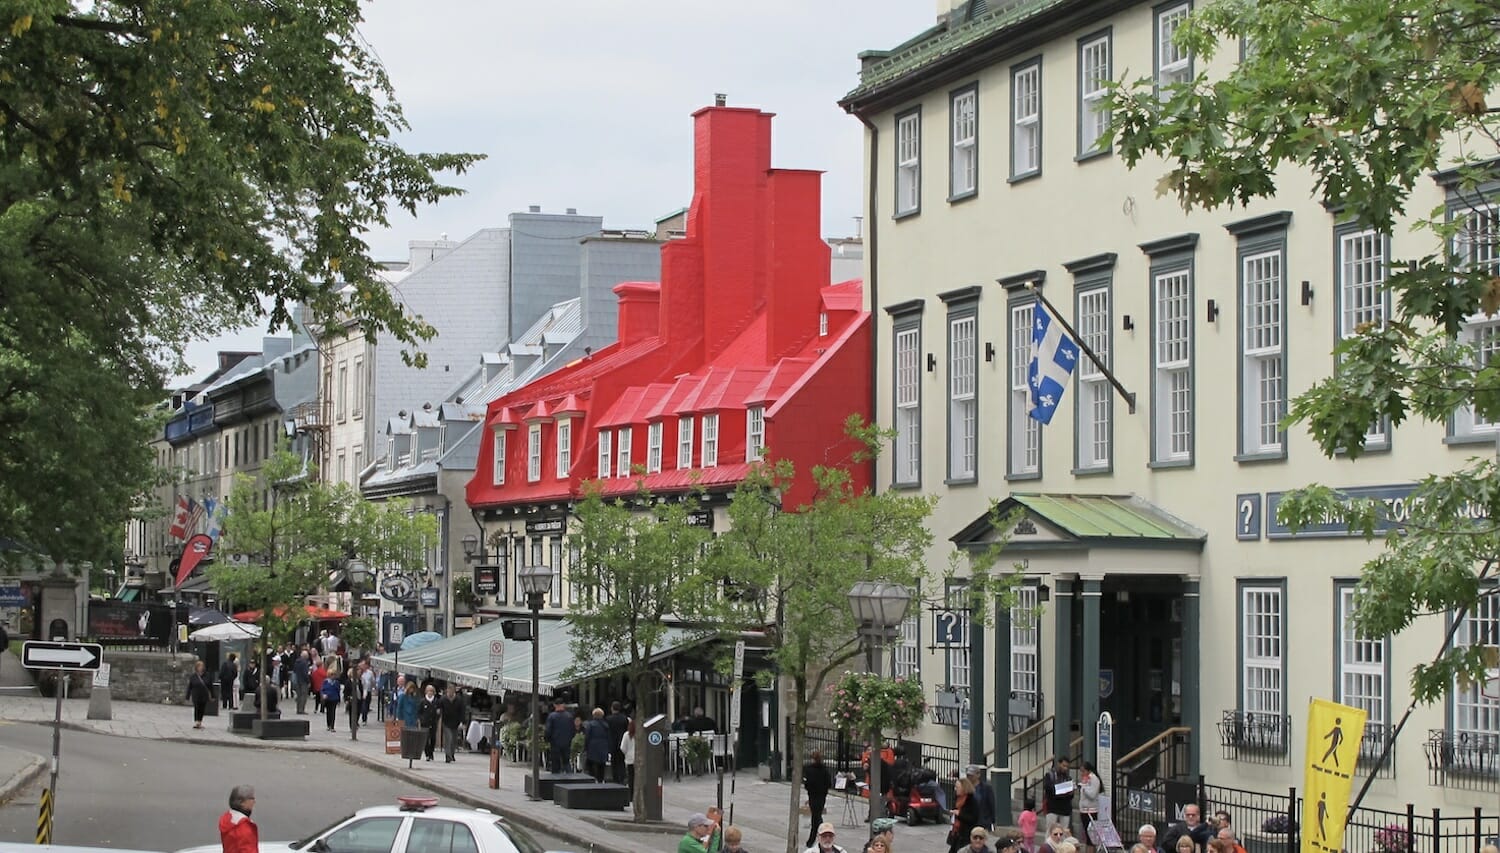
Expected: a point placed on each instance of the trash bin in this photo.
(213, 701)
(413, 743)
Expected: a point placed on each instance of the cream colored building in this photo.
(1168, 594)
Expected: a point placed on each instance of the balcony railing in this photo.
(1463, 759)
(1372, 746)
(1255, 736)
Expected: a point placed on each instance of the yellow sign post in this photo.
(44, 818)
(1334, 732)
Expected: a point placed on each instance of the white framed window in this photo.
(564, 447)
(822, 324)
(622, 451)
(1476, 717)
(685, 441)
(1026, 118)
(1025, 648)
(555, 550)
(359, 388)
(1361, 678)
(908, 162)
(1095, 415)
(908, 658)
(342, 467)
(755, 433)
(1094, 76)
(533, 452)
(908, 398)
(710, 452)
(605, 454)
(1476, 248)
(958, 655)
(963, 405)
(1025, 431)
(1172, 362)
(963, 158)
(1262, 662)
(1362, 269)
(341, 400)
(1263, 367)
(1174, 65)
(653, 448)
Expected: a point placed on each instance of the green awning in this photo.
(464, 659)
(1108, 516)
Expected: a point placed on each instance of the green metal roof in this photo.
(940, 43)
(1108, 517)
(464, 659)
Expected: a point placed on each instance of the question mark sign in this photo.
(1247, 510)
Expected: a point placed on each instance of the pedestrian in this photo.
(699, 833)
(1027, 823)
(329, 693)
(559, 731)
(965, 815)
(429, 715)
(318, 675)
(627, 749)
(249, 677)
(882, 835)
(825, 843)
(984, 797)
(597, 745)
(1089, 788)
(237, 832)
(199, 692)
(816, 781)
(618, 724)
(732, 839)
(269, 691)
(228, 672)
(301, 680)
(452, 717)
(1057, 794)
(408, 708)
(367, 688)
(353, 700)
(978, 841)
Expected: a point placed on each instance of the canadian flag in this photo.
(178, 530)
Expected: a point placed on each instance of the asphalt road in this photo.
(158, 795)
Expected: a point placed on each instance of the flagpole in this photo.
(1083, 345)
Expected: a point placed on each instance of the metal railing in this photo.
(1256, 737)
(1463, 760)
(1163, 756)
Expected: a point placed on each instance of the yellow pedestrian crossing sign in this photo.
(1334, 733)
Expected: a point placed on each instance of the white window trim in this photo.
(1263, 655)
(907, 384)
(907, 660)
(755, 433)
(1362, 268)
(1095, 415)
(963, 156)
(359, 388)
(1172, 64)
(622, 450)
(710, 438)
(1024, 441)
(1025, 647)
(1262, 350)
(497, 473)
(1026, 119)
(606, 455)
(1474, 715)
(963, 405)
(653, 447)
(564, 447)
(908, 138)
(1093, 81)
(341, 401)
(533, 452)
(1174, 374)
(959, 671)
(1479, 331)
(685, 442)
(1360, 679)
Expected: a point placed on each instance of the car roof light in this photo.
(416, 804)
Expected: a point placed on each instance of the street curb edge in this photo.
(26, 776)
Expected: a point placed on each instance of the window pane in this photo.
(372, 835)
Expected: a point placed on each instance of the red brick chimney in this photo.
(797, 258)
(640, 309)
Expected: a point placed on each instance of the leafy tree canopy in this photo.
(1367, 99)
(166, 168)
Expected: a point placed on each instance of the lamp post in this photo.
(536, 581)
(879, 608)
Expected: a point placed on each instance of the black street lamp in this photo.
(536, 581)
(879, 608)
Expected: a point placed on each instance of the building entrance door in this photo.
(1140, 657)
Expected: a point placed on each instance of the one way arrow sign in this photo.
(39, 654)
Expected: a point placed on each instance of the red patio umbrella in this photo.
(314, 612)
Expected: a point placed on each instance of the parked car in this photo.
(413, 825)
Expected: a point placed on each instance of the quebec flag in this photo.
(1053, 356)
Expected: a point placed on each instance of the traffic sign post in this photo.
(63, 657)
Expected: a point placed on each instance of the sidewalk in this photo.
(759, 808)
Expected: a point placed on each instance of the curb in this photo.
(28, 774)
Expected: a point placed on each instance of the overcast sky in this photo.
(586, 104)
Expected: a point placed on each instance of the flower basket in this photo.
(1393, 839)
(861, 702)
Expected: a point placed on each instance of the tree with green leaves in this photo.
(166, 169)
(1368, 100)
(799, 564)
(309, 529)
(640, 562)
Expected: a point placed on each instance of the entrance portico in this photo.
(1120, 576)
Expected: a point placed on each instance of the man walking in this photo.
(301, 680)
(452, 713)
(228, 672)
(618, 724)
(1057, 789)
(559, 731)
(237, 832)
(816, 780)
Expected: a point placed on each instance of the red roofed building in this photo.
(743, 348)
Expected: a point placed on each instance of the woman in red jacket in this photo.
(237, 832)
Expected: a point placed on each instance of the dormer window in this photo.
(564, 447)
(755, 433)
(499, 461)
(653, 448)
(604, 454)
(533, 453)
(685, 441)
(823, 324)
(710, 441)
(622, 452)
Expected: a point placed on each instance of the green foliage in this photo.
(358, 632)
(1369, 100)
(861, 702)
(463, 592)
(166, 169)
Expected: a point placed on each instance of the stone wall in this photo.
(139, 677)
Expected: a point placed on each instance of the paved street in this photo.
(760, 808)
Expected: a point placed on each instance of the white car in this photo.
(413, 825)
